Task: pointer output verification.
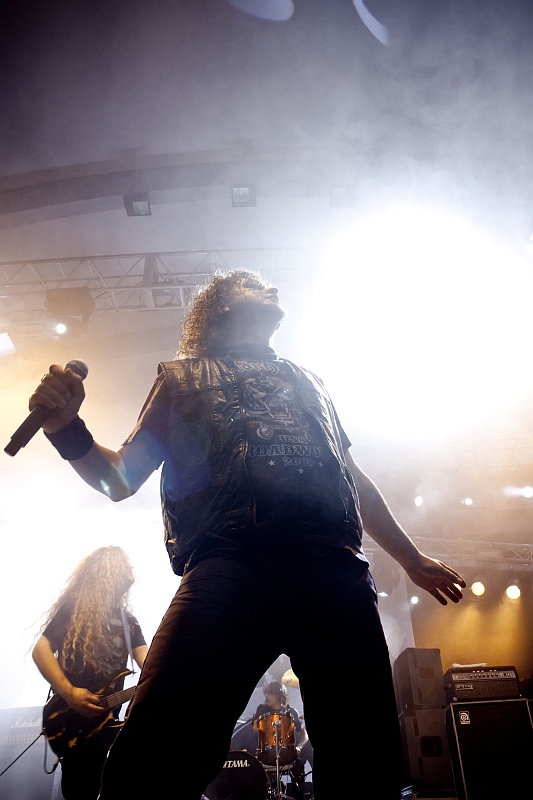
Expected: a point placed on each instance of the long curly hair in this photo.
(99, 584)
(203, 326)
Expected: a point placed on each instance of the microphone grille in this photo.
(79, 367)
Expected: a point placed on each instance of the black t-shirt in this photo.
(110, 661)
(294, 475)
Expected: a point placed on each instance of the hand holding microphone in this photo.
(55, 393)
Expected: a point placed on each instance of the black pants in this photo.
(227, 623)
(81, 768)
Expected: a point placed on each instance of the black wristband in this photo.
(73, 441)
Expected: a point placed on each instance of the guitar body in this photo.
(64, 727)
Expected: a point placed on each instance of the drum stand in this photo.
(279, 794)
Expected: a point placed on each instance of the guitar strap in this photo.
(127, 637)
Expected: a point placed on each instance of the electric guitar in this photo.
(64, 727)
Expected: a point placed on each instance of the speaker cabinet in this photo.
(418, 679)
(24, 755)
(491, 745)
(426, 755)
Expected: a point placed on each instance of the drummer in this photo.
(276, 702)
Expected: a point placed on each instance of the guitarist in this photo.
(82, 653)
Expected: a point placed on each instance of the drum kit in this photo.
(246, 776)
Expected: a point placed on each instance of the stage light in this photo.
(7, 347)
(137, 204)
(243, 196)
(478, 586)
(66, 326)
(68, 311)
(60, 328)
(513, 590)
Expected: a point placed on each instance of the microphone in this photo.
(36, 418)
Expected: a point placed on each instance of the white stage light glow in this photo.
(433, 319)
(7, 347)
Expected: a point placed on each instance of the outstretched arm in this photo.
(117, 474)
(437, 578)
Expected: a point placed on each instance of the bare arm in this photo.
(303, 738)
(117, 474)
(139, 654)
(437, 578)
(81, 700)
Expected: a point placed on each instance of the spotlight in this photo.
(513, 590)
(478, 586)
(242, 196)
(137, 204)
(7, 347)
(68, 311)
(66, 326)
(60, 328)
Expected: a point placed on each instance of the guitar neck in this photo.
(112, 700)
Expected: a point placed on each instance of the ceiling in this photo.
(185, 98)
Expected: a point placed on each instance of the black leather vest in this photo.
(204, 481)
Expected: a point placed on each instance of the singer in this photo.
(255, 463)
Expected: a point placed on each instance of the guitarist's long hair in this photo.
(99, 584)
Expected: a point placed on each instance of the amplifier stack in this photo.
(421, 701)
(26, 761)
(490, 731)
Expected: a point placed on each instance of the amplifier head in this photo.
(481, 683)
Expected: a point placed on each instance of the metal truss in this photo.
(469, 553)
(139, 281)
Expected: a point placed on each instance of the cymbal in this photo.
(289, 679)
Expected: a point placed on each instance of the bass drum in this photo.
(242, 777)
